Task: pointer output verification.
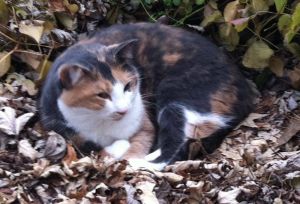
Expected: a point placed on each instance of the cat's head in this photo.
(97, 78)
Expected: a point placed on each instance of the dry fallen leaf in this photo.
(55, 147)
(33, 28)
(100, 189)
(292, 103)
(172, 177)
(7, 120)
(249, 121)
(145, 192)
(33, 59)
(229, 197)
(182, 166)
(230, 10)
(291, 130)
(5, 61)
(70, 156)
(294, 77)
(57, 5)
(292, 163)
(40, 166)
(63, 36)
(67, 20)
(9, 123)
(78, 188)
(29, 86)
(82, 164)
(231, 154)
(8, 198)
(16, 80)
(91, 195)
(4, 182)
(130, 191)
(276, 65)
(211, 15)
(54, 169)
(25, 148)
(250, 188)
(42, 192)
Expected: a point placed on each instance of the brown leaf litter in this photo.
(259, 162)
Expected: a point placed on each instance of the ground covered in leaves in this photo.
(259, 162)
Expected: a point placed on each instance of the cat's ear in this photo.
(118, 52)
(69, 75)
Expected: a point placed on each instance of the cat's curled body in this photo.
(95, 91)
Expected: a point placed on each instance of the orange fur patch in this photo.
(143, 59)
(142, 49)
(172, 58)
(124, 77)
(223, 100)
(121, 75)
(141, 142)
(204, 130)
(84, 93)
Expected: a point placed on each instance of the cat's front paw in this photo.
(118, 148)
(144, 164)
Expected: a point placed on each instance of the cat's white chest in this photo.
(93, 126)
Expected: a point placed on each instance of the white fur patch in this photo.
(194, 118)
(153, 155)
(122, 101)
(143, 164)
(100, 126)
(118, 148)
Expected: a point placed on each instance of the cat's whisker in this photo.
(147, 99)
(148, 95)
(149, 103)
(142, 78)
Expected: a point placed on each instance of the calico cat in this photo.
(128, 84)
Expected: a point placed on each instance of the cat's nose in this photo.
(123, 112)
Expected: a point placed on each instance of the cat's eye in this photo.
(127, 87)
(103, 95)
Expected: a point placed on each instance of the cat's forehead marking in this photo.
(121, 75)
(227, 93)
(83, 93)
